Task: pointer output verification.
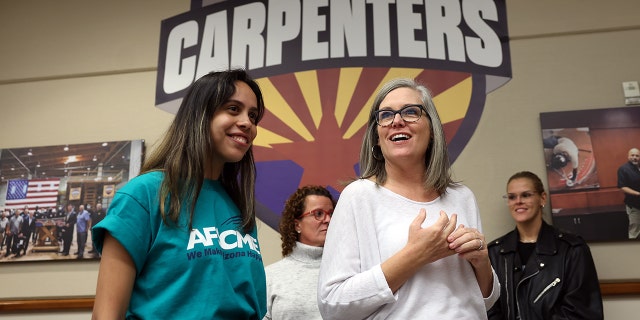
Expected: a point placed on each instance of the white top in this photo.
(369, 225)
(292, 284)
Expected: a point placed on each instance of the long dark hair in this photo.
(187, 147)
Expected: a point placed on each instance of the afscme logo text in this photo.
(227, 240)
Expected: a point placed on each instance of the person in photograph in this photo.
(180, 239)
(4, 225)
(544, 273)
(25, 211)
(14, 234)
(293, 281)
(629, 183)
(83, 220)
(405, 241)
(96, 216)
(70, 219)
(38, 213)
(28, 229)
(564, 152)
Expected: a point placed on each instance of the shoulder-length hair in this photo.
(293, 209)
(188, 146)
(372, 163)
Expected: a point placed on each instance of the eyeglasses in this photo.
(525, 196)
(319, 214)
(408, 113)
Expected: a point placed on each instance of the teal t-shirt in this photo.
(213, 272)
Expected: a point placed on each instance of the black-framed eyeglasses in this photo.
(525, 196)
(318, 214)
(408, 113)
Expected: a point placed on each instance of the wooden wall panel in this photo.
(610, 147)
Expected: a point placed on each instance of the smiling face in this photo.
(313, 232)
(233, 128)
(402, 139)
(525, 203)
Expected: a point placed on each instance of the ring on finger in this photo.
(481, 245)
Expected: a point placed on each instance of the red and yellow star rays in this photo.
(316, 118)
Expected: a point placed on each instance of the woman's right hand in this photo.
(430, 244)
(424, 245)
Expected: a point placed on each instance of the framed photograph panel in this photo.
(45, 190)
(569, 159)
(583, 150)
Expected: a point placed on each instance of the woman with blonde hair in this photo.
(545, 273)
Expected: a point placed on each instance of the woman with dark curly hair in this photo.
(292, 282)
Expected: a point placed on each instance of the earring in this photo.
(373, 153)
(298, 231)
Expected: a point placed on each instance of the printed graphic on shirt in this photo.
(225, 241)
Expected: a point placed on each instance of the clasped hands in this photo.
(445, 238)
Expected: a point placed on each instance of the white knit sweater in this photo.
(292, 284)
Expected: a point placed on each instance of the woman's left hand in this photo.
(470, 244)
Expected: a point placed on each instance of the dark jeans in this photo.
(11, 240)
(82, 240)
(26, 243)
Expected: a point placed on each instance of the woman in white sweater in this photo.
(293, 281)
(405, 241)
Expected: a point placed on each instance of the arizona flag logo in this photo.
(320, 64)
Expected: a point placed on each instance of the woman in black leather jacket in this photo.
(544, 273)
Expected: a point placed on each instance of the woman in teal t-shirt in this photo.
(180, 241)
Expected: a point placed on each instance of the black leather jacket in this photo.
(558, 282)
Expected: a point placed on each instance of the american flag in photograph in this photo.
(32, 193)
